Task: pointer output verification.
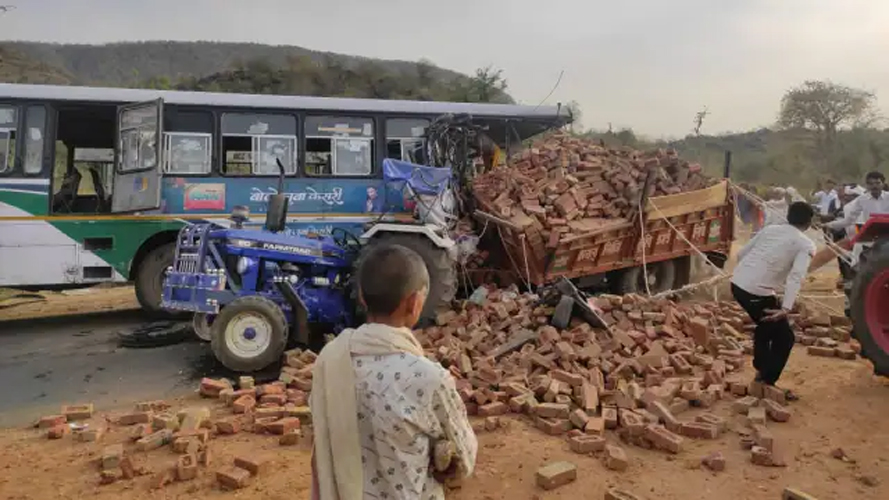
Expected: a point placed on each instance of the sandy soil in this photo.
(81, 301)
(842, 405)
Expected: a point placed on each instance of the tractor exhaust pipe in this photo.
(276, 216)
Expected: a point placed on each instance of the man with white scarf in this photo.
(379, 406)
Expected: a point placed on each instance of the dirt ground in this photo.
(97, 299)
(842, 405)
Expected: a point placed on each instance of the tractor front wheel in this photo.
(249, 334)
(869, 304)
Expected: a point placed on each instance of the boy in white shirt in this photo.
(778, 255)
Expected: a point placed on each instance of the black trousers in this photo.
(772, 340)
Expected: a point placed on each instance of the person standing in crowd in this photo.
(874, 201)
(778, 255)
(827, 198)
(379, 406)
(775, 207)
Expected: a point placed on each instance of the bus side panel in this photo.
(316, 204)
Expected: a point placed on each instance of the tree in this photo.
(488, 85)
(576, 115)
(824, 108)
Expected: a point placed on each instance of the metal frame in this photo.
(7, 166)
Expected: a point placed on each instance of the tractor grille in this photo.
(188, 263)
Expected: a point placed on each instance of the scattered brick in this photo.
(775, 394)
(663, 439)
(139, 417)
(211, 388)
(149, 406)
(616, 494)
(58, 432)
(714, 461)
(187, 467)
(290, 438)
(556, 474)
(586, 443)
(827, 352)
(553, 426)
(756, 415)
(111, 456)
(845, 352)
(615, 458)
(776, 411)
(610, 416)
(155, 440)
(699, 430)
(251, 464)
(89, 435)
(77, 412)
(162, 478)
(232, 478)
(244, 404)
(51, 421)
(795, 494)
(717, 421)
(165, 421)
(228, 426)
(109, 476)
(744, 404)
(493, 409)
(283, 425)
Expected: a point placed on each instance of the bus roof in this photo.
(559, 115)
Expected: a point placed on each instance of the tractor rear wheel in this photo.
(249, 334)
(869, 304)
(439, 265)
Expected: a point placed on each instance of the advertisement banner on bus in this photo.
(204, 197)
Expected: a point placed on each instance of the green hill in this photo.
(237, 67)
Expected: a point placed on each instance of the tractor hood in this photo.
(277, 243)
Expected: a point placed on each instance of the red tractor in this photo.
(869, 295)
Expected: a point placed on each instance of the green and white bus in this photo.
(96, 182)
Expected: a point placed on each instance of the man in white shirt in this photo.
(778, 255)
(875, 201)
(827, 197)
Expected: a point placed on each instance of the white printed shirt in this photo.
(777, 255)
(405, 402)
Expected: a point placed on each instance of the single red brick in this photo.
(127, 469)
(578, 418)
(572, 379)
(615, 494)
(244, 404)
(585, 443)
(251, 464)
(776, 411)
(140, 431)
(275, 399)
(162, 478)
(492, 409)
(761, 456)
(283, 425)
(553, 410)
(51, 421)
(58, 432)
(615, 458)
(595, 426)
(211, 388)
(228, 426)
(232, 478)
(553, 475)
(552, 426)
(775, 394)
(744, 404)
(147, 406)
(289, 438)
(717, 421)
(827, 352)
(77, 412)
(187, 467)
(714, 461)
(609, 414)
(139, 417)
(663, 439)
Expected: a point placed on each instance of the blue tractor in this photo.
(255, 291)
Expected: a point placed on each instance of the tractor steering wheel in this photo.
(345, 240)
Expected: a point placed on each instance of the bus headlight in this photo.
(244, 264)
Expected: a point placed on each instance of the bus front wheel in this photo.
(150, 278)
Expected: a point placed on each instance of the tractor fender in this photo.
(428, 230)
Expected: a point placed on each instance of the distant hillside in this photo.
(767, 156)
(228, 66)
(16, 67)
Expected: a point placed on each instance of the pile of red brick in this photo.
(571, 182)
(655, 360)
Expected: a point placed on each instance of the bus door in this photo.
(137, 176)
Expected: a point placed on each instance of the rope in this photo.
(687, 242)
(642, 245)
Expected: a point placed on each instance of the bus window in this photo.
(251, 143)
(339, 146)
(187, 153)
(188, 142)
(8, 125)
(405, 140)
(35, 126)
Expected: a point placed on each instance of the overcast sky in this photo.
(646, 64)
